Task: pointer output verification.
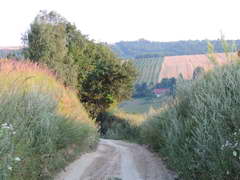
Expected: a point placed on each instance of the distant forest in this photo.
(7, 53)
(151, 49)
(142, 48)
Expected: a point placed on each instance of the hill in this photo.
(148, 49)
(153, 70)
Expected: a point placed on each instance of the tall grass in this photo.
(43, 126)
(25, 76)
(200, 131)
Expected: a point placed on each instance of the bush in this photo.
(199, 133)
(150, 130)
(123, 125)
(122, 130)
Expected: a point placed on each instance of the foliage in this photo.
(198, 132)
(198, 71)
(166, 83)
(142, 90)
(100, 78)
(126, 126)
(47, 43)
(43, 126)
(106, 84)
(119, 128)
(169, 83)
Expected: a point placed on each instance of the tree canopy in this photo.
(91, 68)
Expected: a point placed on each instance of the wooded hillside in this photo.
(151, 49)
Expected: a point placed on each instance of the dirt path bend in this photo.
(117, 160)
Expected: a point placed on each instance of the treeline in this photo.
(13, 54)
(147, 49)
(147, 90)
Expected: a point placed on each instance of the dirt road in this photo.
(117, 160)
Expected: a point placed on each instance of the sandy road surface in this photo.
(117, 160)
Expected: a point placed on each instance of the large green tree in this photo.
(92, 68)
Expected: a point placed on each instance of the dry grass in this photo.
(174, 65)
(24, 76)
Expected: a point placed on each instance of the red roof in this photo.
(161, 90)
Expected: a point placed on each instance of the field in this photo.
(185, 65)
(148, 69)
(142, 105)
(153, 70)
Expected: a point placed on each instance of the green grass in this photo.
(34, 139)
(43, 125)
(148, 69)
(143, 105)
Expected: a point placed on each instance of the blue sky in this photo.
(115, 20)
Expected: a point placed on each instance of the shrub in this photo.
(122, 130)
(124, 125)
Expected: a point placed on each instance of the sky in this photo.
(115, 20)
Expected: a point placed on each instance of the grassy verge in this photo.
(42, 124)
(199, 132)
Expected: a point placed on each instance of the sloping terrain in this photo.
(148, 69)
(153, 70)
(173, 66)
